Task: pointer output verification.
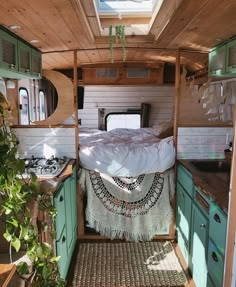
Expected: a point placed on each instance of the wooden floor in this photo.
(177, 251)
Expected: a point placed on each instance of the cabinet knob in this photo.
(217, 218)
(214, 256)
(63, 239)
(12, 66)
(27, 70)
(61, 198)
(202, 225)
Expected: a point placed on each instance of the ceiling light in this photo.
(34, 41)
(14, 27)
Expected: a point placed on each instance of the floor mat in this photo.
(141, 264)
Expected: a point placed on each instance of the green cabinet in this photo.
(8, 52)
(217, 62)
(18, 60)
(65, 202)
(199, 243)
(231, 57)
(201, 232)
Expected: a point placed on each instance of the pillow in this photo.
(164, 129)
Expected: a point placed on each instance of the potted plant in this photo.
(119, 36)
(17, 194)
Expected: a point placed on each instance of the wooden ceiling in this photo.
(62, 26)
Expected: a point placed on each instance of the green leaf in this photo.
(55, 259)
(7, 236)
(13, 221)
(16, 244)
(22, 268)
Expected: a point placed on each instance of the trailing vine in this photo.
(16, 195)
(119, 36)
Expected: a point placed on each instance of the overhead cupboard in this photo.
(18, 59)
(222, 60)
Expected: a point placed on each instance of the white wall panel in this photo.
(202, 143)
(44, 142)
(114, 98)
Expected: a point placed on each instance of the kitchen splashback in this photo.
(46, 142)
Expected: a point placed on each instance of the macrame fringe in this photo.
(120, 234)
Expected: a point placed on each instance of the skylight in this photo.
(130, 7)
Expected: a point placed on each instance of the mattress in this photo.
(126, 152)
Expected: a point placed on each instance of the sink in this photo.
(212, 165)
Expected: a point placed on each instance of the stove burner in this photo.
(43, 167)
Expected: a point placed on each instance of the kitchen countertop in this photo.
(52, 184)
(213, 185)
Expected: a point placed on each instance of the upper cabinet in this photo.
(18, 60)
(231, 57)
(217, 62)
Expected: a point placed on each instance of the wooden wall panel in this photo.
(155, 77)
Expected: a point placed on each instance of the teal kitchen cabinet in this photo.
(217, 61)
(199, 244)
(65, 202)
(183, 220)
(201, 231)
(231, 57)
(8, 52)
(18, 59)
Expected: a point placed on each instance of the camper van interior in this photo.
(117, 143)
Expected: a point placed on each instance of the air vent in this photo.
(106, 73)
(138, 73)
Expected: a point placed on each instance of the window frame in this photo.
(19, 109)
(135, 112)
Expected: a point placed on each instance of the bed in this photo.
(128, 179)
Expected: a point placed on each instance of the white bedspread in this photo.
(126, 152)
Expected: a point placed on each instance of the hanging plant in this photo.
(119, 36)
(17, 194)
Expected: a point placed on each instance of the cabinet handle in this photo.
(217, 218)
(214, 256)
(63, 239)
(61, 198)
(12, 66)
(27, 70)
(202, 225)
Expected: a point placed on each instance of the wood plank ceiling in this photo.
(62, 26)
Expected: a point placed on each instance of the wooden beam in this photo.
(177, 95)
(136, 39)
(106, 22)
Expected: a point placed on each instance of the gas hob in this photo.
(42, 167)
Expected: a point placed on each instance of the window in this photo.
(122, 120)
(42, 106)
(24, 107)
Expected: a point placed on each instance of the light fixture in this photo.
(34, 41)
(10, 84)
(14, 27)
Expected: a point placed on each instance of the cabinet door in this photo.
(183, 216)
(36, 64)
(8, 52)
(217, 61)
(199, 237)
(61, 250)
(69, 227)
(74, 202)
(59, 204)
(24, 58)
(231, 57)
(215, 264)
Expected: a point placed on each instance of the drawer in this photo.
(61, 250)
(218, 227)
(59, 204)
(185, 179)
(215, 264)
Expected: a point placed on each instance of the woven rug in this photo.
(129, 264)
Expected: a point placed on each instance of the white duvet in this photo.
(126, 152)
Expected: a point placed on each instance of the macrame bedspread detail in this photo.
(134, 208)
